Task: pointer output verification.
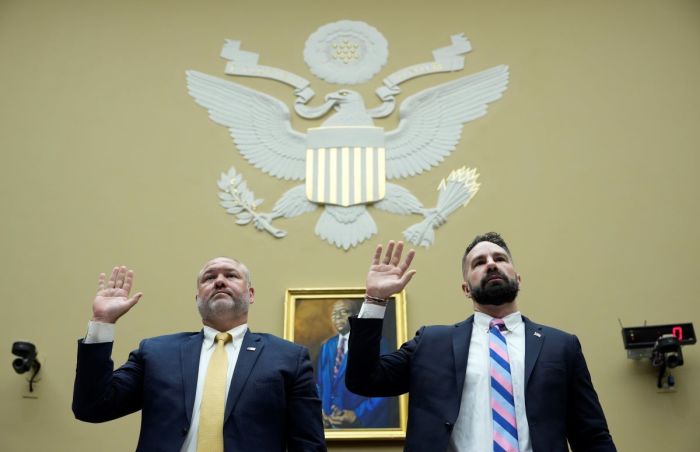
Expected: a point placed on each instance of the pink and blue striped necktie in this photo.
(505, 430)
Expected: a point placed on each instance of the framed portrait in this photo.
(318, 320)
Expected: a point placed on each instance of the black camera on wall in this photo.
(26, 361)
(667, 352)
(661, 344)
(27, 357)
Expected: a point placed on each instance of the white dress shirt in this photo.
(473, 431)
(104, 332)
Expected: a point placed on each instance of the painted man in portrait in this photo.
(342, 408)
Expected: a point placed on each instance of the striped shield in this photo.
(345, 165)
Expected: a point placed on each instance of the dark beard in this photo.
(496, 294)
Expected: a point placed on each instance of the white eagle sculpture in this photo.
(346, 160)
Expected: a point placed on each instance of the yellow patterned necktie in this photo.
(211, 414)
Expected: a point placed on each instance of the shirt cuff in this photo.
(371, 311)
(99, 332)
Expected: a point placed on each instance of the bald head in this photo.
(221, 259)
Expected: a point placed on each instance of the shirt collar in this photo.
(512, 321)
(236, 333)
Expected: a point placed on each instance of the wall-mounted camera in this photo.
(662, 345)
(667, 352)
(26, 361)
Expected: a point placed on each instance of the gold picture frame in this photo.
(312, 318)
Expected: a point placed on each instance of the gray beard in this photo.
(219, 310)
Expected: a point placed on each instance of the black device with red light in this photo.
(644, 337)
(661, 344)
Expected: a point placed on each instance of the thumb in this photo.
(133, 300)
(406, 278)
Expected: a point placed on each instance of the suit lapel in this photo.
(534, 338)
(190, 351)
(251, 348)
(460, 346)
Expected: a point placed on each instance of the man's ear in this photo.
(251, 291)
(465, 289)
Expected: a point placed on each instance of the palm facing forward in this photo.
(389, 275)
(112, 298)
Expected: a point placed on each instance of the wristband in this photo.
(374, 300)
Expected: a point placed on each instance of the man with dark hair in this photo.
(496, 381)
(223, 388)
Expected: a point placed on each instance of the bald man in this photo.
(223, 388)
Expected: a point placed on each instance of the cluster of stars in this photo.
(346, 51)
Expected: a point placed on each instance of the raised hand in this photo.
(112, 300)
(388, 275)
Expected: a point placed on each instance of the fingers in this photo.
(396, 257)
(407, 262)
(121, 278)
(111, 284)
(389, 252)
(394, 250)
(128, 280)
(377, 255)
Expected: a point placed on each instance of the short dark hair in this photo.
(493, 237)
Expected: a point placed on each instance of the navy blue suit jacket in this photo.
(272, 402)
(561, 403)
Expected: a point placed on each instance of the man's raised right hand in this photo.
(112, 299)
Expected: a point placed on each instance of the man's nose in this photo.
(220, 281)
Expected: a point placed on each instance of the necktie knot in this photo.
(498, 323)
(223, 337)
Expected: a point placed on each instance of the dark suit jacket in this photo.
(561, 403)
(272, 403)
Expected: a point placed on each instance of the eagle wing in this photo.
(259, 124)
(431, 121)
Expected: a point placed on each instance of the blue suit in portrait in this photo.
(272, 402)
(371, 412)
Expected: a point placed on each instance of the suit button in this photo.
(184, 431)
(449, 426)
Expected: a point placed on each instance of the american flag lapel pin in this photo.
(250, 349)
(537, 333)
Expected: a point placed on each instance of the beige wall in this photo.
(588, 167)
